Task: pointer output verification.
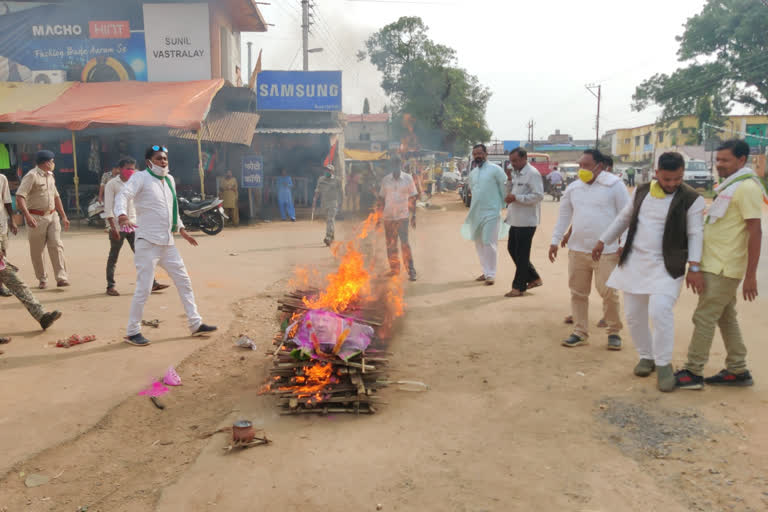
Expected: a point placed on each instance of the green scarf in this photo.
(175, 201)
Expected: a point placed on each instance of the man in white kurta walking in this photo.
(590, 204)
(154, 196)
(487, 183)
(665, 222)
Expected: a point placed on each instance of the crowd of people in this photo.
(645, 246)
(146, 208)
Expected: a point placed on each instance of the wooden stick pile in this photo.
(350, 387)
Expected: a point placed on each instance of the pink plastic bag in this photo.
(172, 378)
(325, 334)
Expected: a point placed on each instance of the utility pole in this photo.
(591, 88)
(531, 124)
(250, 61)
(305, 32)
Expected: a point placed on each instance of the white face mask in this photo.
(160, 171)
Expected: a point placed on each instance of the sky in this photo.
(535, 56)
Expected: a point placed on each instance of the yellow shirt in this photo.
(725, 241)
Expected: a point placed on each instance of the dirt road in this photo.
(512, 420)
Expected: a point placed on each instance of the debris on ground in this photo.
(36, 480)
(156, 389)
(172, 378)
(649, 428)
(75, 339)
(151, 323)
(245, 342)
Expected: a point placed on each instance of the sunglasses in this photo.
(160, 148)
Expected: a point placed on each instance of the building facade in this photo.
(639, 144)
(367, 131)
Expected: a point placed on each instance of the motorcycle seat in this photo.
(197, 205)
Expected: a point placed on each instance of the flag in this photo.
(331, 154)
(256, 71)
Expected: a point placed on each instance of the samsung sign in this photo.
(299, 90)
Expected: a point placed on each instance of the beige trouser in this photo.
(581, 268)
(47, 234)
(717, 307)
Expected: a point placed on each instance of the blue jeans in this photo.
(394, 229)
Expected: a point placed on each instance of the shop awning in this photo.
(362, 155)
(299, 131)
(21, 96)
(231, 127)
(169, 104)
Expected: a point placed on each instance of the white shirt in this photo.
(397, 194)
(590, 209)
(5, 198)
(113, 187)
(153, 201)
(644, 272)
(526, 185)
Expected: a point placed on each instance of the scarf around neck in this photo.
(175, 223)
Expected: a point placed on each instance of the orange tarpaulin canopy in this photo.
(169, 104)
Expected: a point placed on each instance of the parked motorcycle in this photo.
(206, 214)
(556, 190)
(96, 212)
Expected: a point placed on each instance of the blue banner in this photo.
(80, 41)
(253, 172)
(299, 90)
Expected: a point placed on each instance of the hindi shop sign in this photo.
(299, 90)
(253, 172)
(178, 42)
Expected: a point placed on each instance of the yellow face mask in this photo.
(586, 175)
(656, 190)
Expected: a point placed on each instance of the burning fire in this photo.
(346, 285)
(315, 379)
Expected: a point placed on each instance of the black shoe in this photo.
(412, 277)
(205, 329)
(726, 378)
(687, 380)
(49, 318)
(137, 340)
(327, 241)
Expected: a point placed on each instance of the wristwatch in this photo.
(694, 268)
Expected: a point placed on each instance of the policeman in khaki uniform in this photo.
(329, 191)
(40, 204)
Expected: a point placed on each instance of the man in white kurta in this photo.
(487, 182)
(590, 204)
(665, 222)
(153, 193)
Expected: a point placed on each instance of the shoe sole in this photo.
(610, 347)
(735, 384)
(571, 345)
(136, 344)
(691, 387)
(643, 375)
(205, 333)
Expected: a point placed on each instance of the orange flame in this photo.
(346, 285)
(314, 380)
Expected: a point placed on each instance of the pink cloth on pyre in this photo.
(325, 329)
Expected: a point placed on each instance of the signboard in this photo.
(299, 90)
(759, 132)
(252, 175)
(509, 145)
(76, 42)
(178, 42)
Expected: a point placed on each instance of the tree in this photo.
(421, 77)
(725, 49)
(366, 107)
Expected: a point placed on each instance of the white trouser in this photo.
(487, 255)
(659, 309)
(147, 257)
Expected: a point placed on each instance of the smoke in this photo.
(338, 32)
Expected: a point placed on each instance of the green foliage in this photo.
(366, 106)
(725, 49)
(421, 77)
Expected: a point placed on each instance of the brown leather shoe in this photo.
(514, 293)
(489, 282)
(157, 287)
(112, 292)
(62, 284)
(568, 319)
(535, 284)
(43, 285)
(480, 279)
